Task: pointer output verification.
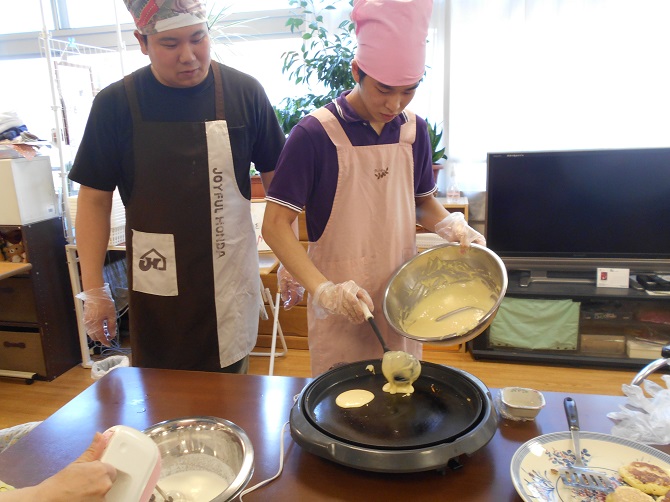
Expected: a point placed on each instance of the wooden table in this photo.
(260, 405)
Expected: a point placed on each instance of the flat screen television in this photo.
(562, 212)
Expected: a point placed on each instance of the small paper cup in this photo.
(521, 403)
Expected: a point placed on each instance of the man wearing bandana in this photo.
(361, 167)
(177, 138)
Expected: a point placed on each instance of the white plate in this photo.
(535, 464)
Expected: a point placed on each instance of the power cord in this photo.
(281, 466)
(281, 459)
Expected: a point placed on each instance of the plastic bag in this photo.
(644, 419)
(101, 368)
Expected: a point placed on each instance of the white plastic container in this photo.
(27, 192)
(521, 403)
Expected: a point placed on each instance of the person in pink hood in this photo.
(361, 168)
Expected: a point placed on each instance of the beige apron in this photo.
(370, 233)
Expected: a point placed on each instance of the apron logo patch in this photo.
(380, 173)
(152, 259)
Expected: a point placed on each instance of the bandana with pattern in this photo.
(155, 16)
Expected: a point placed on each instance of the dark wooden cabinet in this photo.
(38, 327)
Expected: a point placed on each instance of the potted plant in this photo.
(435, 135)
(324, 59)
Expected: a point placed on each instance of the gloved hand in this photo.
(343, 299)
(455, 229)
(99, 314)
(291, 291)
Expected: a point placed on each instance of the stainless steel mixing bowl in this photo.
(205, 444)
(430, 271)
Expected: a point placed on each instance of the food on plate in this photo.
(400, 370)
(354, 398)
(628, 494)
(649, 478)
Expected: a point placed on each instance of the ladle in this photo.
(371, 319)
(389, 355)
(462, 309)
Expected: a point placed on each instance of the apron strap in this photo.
(218, 92)
(134, 104)
(408, 129)
(332, 127)
(129, 84)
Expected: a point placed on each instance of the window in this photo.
(26, 16)
(560, 75)
(81, 15)
(257, 38)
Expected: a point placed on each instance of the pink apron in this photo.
(370, 233)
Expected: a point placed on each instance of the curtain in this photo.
(554, 75)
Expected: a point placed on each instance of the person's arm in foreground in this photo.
(84, 480)
(280, 236)
(343, 298)
(94, 208)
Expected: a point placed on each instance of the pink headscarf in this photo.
(392, 39)
(155, 16)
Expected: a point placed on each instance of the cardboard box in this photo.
(637, 349)
(613, 278)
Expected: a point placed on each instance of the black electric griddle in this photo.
(449, 413)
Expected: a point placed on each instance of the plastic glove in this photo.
(455, 229)
(343, 299)
(643, 419)
(291, 291)
(99, 314)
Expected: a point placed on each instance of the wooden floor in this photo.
(26, 403)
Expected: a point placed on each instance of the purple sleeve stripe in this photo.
(285, 204)
(426, 193)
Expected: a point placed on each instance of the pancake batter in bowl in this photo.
(421, 320)
(192, 486)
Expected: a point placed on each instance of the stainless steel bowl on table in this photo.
(202, 458)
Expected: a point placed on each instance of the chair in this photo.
(276, 328)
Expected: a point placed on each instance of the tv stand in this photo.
(528, 277)
(617, 327)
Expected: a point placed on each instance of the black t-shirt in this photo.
(105, 157)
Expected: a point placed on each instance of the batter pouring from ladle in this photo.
(400, 369)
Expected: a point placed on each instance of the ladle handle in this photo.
(366, 311)
(371, 319)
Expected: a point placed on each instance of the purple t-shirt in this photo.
(306, 173)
